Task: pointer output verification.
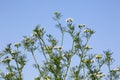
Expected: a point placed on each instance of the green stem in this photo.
(62, 31)
(40, 39)
(18, 66)
(82, 62)
(18, 69)
(109, 71)
(43, 48)
(98, 65)
(62, 38)
(10, 70)
(68, 63)
(79, 67)
(84, 70)
(37, 65)
(82, 57)
(16, 61)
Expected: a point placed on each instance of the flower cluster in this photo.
(98, 56)
(69, 20)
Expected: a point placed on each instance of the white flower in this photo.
(81, 25)
(58, 47)
(116, 69)
(6, 60)
(48, 79)
(98, 56)
(17, 44)
(34, 34)
(88, 47)
(89, 61)
(14, 52)
(63, 55)
(86, 30)
(69, 20)
(100, 75)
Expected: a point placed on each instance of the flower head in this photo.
(48, 48)
(100, 75)
(98, 56)
(88, 47)
(6, 60)
(88, 61)
(115, 69)
(86, 30)
(69, 20)
(10, 74)
(89, 31)
(14, 52)
(58, 47)
(17, 45)
(81, 26)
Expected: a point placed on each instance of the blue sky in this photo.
(19, 17)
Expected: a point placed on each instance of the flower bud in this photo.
(17, 45)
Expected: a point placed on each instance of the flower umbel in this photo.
(88, 47)
(58, 47)
(115, 69)
(99, 75)
(98, 56)
(81, 26)
(69, 20)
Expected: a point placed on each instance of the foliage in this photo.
(57, 60)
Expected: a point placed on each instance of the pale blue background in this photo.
(19, 17)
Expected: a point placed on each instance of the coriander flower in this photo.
(81, 26)
(69, 20)
(88, 47)
(89, 31)
(115, 69)
(100, 75)
(10, 74)
(88, 61)
(86, 30)
(98, 56)
(7, 60)
(14, 52)
(47, 78)
(17, 45)
(34, 34)
(58, 47)
(48, 48)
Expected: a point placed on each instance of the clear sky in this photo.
(19, 17)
